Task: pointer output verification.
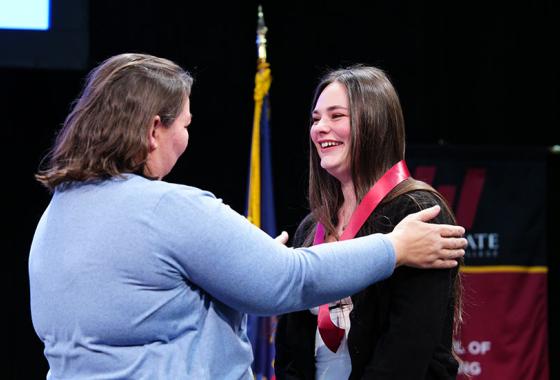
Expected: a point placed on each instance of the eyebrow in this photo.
(331, 108)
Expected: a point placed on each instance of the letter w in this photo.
(470, 192)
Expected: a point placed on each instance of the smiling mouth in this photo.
(328, 144)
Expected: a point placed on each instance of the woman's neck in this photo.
(348, 205)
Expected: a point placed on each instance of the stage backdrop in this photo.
(499, 197)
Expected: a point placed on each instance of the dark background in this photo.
(471, 73)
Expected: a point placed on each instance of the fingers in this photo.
(282, 238)
(426, 214)
(454, 243)
(444, 264)
(447, 259)
(454, 254)
(451, 231)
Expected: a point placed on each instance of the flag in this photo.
(260, 212)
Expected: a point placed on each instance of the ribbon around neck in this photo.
(330, 333)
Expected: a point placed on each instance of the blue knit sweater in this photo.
(139, 279)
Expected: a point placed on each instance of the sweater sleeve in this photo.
(419, 312)
(218, 250)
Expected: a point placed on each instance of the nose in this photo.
(321, 126)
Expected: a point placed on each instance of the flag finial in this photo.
(261, 35)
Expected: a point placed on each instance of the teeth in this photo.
(329, 143)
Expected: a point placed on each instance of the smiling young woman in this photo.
(400, 328)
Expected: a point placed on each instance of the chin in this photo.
(331, 172)
(330, 166)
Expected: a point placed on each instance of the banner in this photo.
(499, 197)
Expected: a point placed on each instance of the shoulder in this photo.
(155, 195)
(304, 229)
(420, 199)
(417, 200)
(161, 188)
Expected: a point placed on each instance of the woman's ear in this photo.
(154, 132)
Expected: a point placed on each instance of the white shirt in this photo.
(334, 365)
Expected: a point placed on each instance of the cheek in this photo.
(313, 134)
(185, 140)
(346, 132)
(181, 141)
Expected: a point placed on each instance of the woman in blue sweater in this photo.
(132, 277)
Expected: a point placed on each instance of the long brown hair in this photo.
(106, 133)
(376, 138)
(377, 142)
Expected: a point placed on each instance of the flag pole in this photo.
(261, 35)
(260, 201)
(262, 85)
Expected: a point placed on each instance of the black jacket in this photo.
(401, 328)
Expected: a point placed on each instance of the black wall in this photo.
(469, 74)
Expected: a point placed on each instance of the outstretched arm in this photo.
(221, 252)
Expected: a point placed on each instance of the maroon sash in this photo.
(330, 333)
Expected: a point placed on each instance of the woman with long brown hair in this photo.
(400, 328)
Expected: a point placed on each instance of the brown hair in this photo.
(377, 142)
(106, 133)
